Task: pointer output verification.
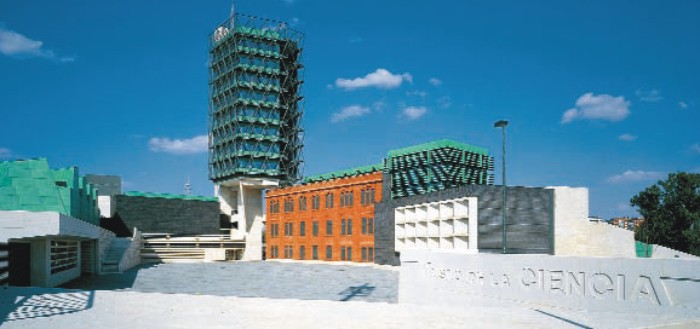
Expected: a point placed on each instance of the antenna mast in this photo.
(188, 187)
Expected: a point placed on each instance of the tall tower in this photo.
(255, 109)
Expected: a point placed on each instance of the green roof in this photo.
(442, 143)
(31, 185)
(171, 196)
(345, 173)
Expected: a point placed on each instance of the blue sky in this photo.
(601, 94)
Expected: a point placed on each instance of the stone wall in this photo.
(529, 218)
(161, 215)
(576, 235)
(652, 286)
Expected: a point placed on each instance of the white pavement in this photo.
(74, 309)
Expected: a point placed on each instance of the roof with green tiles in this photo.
(32, 185)
(345, 173)
(442, 143)
(170, 196)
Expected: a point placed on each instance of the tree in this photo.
(671, 211)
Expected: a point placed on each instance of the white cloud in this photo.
(294, 21)
(381, 78)
(435, 81)
(635, 176)
(598, 107)
(683, 105)
(445, 102)
(379, 105)
(651, 95)
(350, 112)
(418, 93)
(627, 138)
(5, 153)
(197, 144)
(16, 44)
(413, 112)
(695, 148)
(355, 39)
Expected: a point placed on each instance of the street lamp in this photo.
(502, 124)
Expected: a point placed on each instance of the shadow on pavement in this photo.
(112, 281)
(355, 291)
(20, 303)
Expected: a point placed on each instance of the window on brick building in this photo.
(329, 227)
(302, 252)
(314, 228)
(314, 252)
(302, 203)
(367, 254)
(288, 252)
(302, 228)
(315, 202)
(346, 199)
(288, 229)
(274, 230)
(289, 205)
(346, 227)
(368, 226)
(274, 207)
(367, 196)
(329, 252)
(345, 253)
(274, 252)
(329, 200)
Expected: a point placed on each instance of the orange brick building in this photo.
(331, 217)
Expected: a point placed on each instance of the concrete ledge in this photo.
(634, 285)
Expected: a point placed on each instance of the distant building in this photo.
(628, 223)
(330, 218)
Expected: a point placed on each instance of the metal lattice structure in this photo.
(437, 166)
(255, 104)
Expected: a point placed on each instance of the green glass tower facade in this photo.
(255, 108)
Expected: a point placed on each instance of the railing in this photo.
(4, 264)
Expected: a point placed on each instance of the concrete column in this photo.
(473, 225)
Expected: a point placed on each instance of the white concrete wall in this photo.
(575, 235)
(661, 252)
(38, 228)
(107, 205)
(653, 286)
(132, 255)
(252, 199)
(445, 225)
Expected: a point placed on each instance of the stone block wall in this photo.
(161, 215)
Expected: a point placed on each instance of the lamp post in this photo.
(502, 124)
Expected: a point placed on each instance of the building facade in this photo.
(331, 217)
(48, 223)
(255, 110)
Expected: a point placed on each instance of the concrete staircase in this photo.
(117, 247)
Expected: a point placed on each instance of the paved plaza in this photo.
(279, 280)
(278, 294)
